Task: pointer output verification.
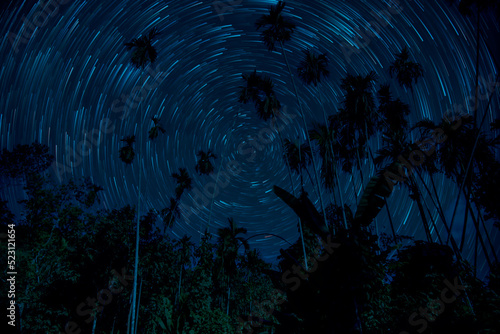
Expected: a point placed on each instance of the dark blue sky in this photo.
(71, 78)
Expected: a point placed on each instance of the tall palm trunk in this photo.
(486, 232)
(341, 198)
(95, 322)
(471, 156)
(418, 200)
(333, 160)
(179, 286)
(228, 296)
(293, 190)
(305, 129)
(441, 211)
(390, 220)
(360, 170)
(137, 237)
(138, 304)
(477, 68)
(478, 231)
(434, 203)
(464, 229)
(433, 223)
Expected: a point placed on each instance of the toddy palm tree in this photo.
(144, 52)
(297, 156)
(183, 182)
(170, 214)
(127, 153)
(407, 72)
(279, 29)
(204, 165)
(184, 252)
(328, 145)
(312, 67)
(260, 90)
(229, 240)
(453, 155)
(357, 117)
(156, 129)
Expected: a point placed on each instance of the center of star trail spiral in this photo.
(71, 78)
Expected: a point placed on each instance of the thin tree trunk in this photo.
(467, 208)
(433, 223)
(360, 171)
(293, 189)
(305, 129)
(471, 157)
(179, 286)
(475, 256)
(95, 322)
(442, 215)
(478, 233)
(341, 199)
(477, 68)
(138, 304)
(354, 188)
(487, 234)
(480, 218)
(420, 208)
(390, 220)
(129, 321)
(228, 296)
(136, 266)
(333, 161)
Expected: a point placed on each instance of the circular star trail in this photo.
(66, 80)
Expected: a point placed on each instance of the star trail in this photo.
(66, 81)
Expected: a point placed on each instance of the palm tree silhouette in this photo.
(184, 252)
(406, 71)
(156, 129)
(144, 52)
(327, 144)
(297, 156)
(313, 67)
(279, 29)
(356, 119)
(204, 165)
(127, 153)
(228, 240)
(183, 182)
(259, 90)
(398, 148)
(453, 155)
(170, 214)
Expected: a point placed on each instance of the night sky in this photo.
(72, 78)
